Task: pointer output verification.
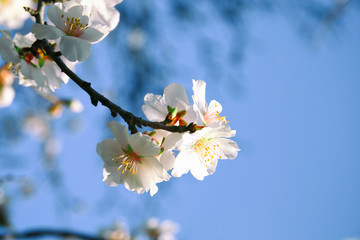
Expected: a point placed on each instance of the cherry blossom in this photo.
(200, 151)
(131, 160)
(209, 115)
(38, 70)
(172, 107)
(76, 27)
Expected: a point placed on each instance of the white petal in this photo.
(32, 73)
(75, 49)
(111, 175)
(91, 35)
(108, 150)
(183, 163)
(120, 133)
(199, 88)
(7, 95)
(153, 190)
(143, 145)
(55, 14)
(175, 96)
(46, 31)
(229, 147)
(154, 108)
(167, 159)
(171, 140)
(156, 168)
(53, 75)
(7, 50)
(24, 41)
(76, 11)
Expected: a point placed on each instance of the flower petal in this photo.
(56, 16)
(167, 159)
(108, 150)
(46, 31)
(111, 175)
(75, 49)
(175, 96)
(75, 11)
(91, 35)
(154, 108)
(143, 145)
(32, 73)
(120, 133)
(7, 50)
(199, 88)
(183, 163)
(229, 147)
(7, 95)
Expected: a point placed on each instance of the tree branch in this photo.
(49, 232)
(95, 97)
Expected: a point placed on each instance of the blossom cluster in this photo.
(138, 161)
(141, 160)
(73, 27)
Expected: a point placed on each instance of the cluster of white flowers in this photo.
(142, 160)
(77, 25)
(138, 161)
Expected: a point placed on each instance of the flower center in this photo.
(208, 151)
(212, 115)
(73, 26)
(128, 161)
(4, 2)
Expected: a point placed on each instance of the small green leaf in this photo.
(172, 111)
(181, 114)
(41, 62)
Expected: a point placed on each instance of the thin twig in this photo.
(49, 232)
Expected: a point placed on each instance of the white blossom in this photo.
(165, 230)
(167, 142)
(38, 70)
(200, 151)
(208, 114)
(12, 13)
(76, 26)
(7, 92)
(172, 107)
(103, 12)
(131, 160)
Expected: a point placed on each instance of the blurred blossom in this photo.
(75, 105)
(119, 231)
(12, 13)
(56, 110)
(136, 39)
(7, 92)
(37, 126)
(52, 147)
(164, 230)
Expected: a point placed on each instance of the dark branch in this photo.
(49, 232)
(95, 97)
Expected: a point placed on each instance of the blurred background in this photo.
(288, 76)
